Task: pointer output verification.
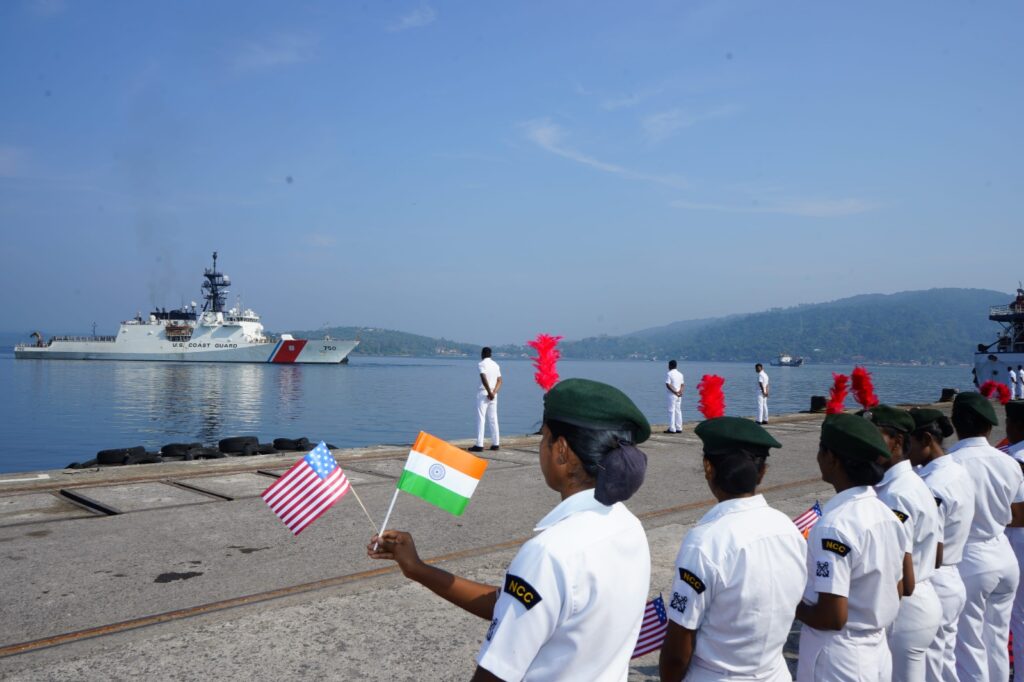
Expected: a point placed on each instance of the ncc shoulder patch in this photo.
(835, 546)
(521, 591)
(693, 581)
(902, 516)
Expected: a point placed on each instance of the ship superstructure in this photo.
(193, 334)
(994, 360)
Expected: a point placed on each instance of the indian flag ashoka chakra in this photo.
(436, 472)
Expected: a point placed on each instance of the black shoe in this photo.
(476, 448)
(495, 448)
(670, 432)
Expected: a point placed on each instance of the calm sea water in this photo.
(56, 412)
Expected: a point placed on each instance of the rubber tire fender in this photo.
(178, 449)
(116, 456)
(267, 449)
(237, 444)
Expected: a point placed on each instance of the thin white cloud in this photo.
(808, 208)
(663, 125)
(417, 18)
(549, 137)
(280, 50)
(47, 8)
(319, 240)
(12, 162)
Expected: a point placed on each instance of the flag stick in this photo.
(386, 517)
(368, 517)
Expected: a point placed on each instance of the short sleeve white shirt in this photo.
(953, 490)
(762, 382)
(997, 481)
(739, 576)
(573, 597)
(490, 369)
(855, 550)
(1013, 377)
(674, 378)
(912, 502)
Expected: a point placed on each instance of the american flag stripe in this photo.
(652, 629)
(307, 489)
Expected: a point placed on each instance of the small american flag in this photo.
(1004, 445)
(653, 629)
(806, 521)
(307, 490)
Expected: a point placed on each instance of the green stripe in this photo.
(435, 494)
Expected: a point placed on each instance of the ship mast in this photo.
(215, 288)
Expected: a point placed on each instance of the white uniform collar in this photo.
(937, 463)
(735, 505)
(895, 471)
(579, 502)
(968, 443)
(847, 495)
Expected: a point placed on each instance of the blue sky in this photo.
(486, 171)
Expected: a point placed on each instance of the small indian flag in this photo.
(441, 473)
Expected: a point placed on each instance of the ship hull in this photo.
(997, 370)
(286, 351)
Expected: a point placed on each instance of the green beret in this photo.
(1015, 410)
(923, 416)
(890, 417)
(593, 405)
(976, 403)
(851, 436)
(723, 433)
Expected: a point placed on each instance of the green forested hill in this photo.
(937, 325)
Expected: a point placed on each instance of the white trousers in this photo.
(914, 629)
(940, 662)
(675, 412)
(1016, 538)
(486, 413)
(842, 656)
(762, 408)
(990, 574)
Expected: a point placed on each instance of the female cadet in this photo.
(906, 494)
(740, 571)
(573, 597)
(988, 568)
(951, 487)
(854, 562)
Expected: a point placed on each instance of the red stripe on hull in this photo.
(289, 351)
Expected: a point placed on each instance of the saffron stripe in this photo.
(449, 455)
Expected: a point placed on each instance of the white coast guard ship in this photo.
(211, 334)
(992, 361)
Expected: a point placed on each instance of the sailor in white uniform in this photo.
(762, 394)
(903, 491)
(740, 571)
(988, 568)
(854, 562)
(1015, 531)
(1013, 383)
(953, 491)
(674, 384)
(487, 401)
(572, 601)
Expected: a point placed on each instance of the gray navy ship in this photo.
(210, 334)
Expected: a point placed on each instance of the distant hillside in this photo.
(376, 341)
(937, 325)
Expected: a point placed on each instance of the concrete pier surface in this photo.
(181, 572)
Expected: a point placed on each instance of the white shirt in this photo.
(739, 576)
(953, 490)
(674, 378)
(489, 368)
(762, 382)
(573, 597)
(855, 550)
(997, 481)
(908, 496)
(1013, 377)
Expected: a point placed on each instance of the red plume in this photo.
(546, 361)
(863, 388)
(838, 393)
(991, 386)
(712, 399)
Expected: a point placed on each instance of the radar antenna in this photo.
(215, 288)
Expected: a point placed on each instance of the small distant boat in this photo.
(787, 361)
